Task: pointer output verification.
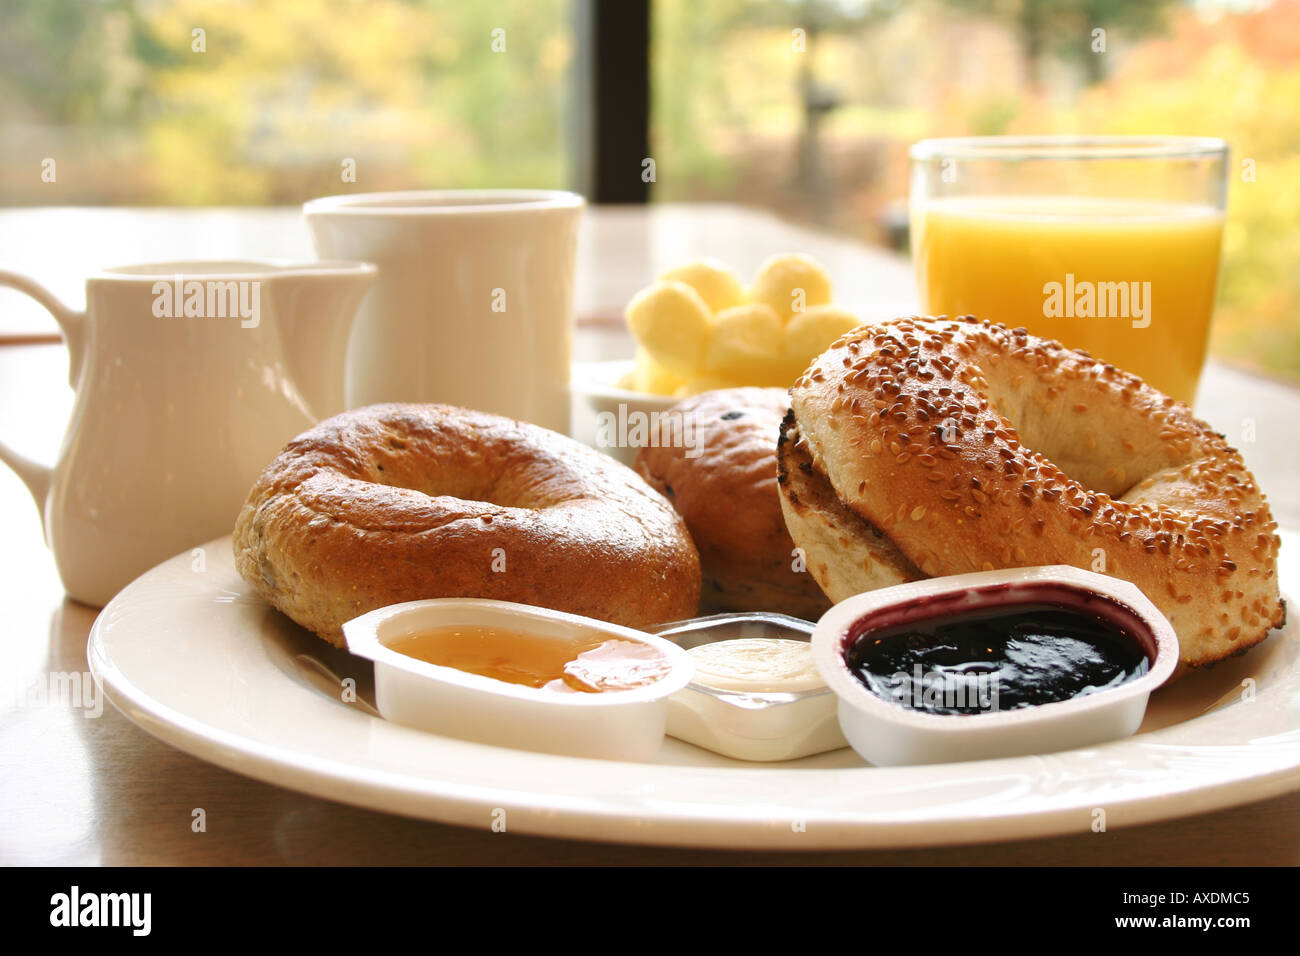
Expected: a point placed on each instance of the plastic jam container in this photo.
(1007, 663)
(564, 684)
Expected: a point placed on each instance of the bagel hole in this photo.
(507, 489)
(1082, 448)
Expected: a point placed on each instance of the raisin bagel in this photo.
(724, 485)
(928, 447)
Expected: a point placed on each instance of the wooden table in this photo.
(77, 791)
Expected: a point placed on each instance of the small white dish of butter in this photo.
(756, 694)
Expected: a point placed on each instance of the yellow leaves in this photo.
(411, 91)
(193, 165)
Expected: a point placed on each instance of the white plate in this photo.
(197, 660)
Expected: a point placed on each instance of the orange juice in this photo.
(1131, 281)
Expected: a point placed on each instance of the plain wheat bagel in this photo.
(927, 447)
(398, 503)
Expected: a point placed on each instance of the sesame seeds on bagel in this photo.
(944, 446)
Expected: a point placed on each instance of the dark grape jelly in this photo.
(998, 654)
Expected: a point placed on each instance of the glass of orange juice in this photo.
(1109, 244)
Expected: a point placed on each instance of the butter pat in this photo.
(757, 665)
(756, 694)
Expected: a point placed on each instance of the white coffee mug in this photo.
(473, 305)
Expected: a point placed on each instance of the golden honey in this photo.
(591, 664)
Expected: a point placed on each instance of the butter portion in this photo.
(757, 665)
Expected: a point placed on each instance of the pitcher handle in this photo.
(36, 476)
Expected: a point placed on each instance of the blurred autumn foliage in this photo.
(191, 102)
(805, 107)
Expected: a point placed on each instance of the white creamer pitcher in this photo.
(189, 378)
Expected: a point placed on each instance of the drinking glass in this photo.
(1109, 244)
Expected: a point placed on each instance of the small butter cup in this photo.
(751, 725)
(887, 733)
(612, 725)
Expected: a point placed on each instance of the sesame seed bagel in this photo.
(396, 503)
(928, 447)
